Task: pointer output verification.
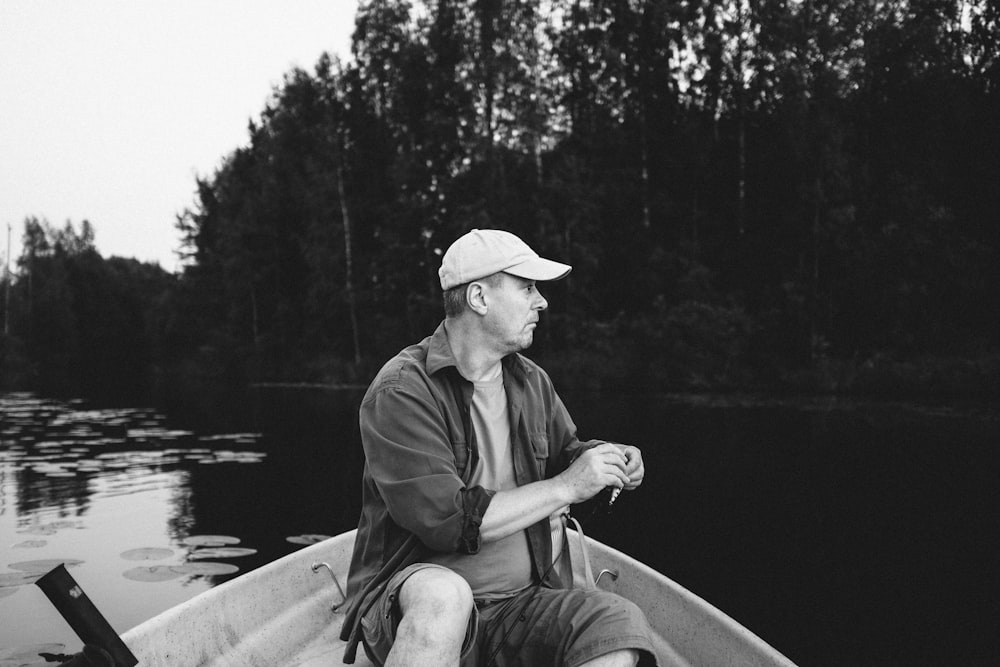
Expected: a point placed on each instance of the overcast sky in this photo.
(109, 109)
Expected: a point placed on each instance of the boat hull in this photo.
(281, 615)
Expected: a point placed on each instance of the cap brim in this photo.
(539, 268)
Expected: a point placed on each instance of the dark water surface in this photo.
(843, 533)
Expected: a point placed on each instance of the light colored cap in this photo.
(483, 252)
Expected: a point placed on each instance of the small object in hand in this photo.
(614, 495)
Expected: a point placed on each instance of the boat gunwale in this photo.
(691, 628)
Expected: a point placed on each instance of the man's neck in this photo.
(475, 360)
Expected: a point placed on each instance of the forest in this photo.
(756, 195)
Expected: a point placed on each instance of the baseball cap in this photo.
(483, 252)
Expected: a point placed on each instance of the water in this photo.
(136, 503)
(843, 533)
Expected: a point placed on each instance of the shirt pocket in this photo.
(540, 448)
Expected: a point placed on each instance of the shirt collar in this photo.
(439, 355)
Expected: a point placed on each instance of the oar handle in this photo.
(81, 614)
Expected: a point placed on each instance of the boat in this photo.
(288, 613)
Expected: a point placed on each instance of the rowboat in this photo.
(289, 613)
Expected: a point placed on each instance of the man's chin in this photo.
(522, 343)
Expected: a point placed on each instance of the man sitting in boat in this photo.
(471, 459)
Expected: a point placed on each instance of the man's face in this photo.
(512, 312)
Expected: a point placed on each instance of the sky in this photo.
(110, 109)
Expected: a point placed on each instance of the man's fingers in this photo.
(608, 455)
(612, 454)
(621, 478)
(607, 449)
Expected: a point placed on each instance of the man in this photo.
(470, 460)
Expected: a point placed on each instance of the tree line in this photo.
(753, 193)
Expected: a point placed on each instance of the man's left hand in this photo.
(633, 465)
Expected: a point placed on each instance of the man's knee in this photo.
(621, 658)
(436, 591)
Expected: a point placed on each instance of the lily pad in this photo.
(221, 552)
(147, 553)
(205, 568)
(152, 573)
(17, 654)
(44, 565)
(51, 528)
(210, 540)
(30, 544)
(225, 455)
(14, 579)
(307, 539)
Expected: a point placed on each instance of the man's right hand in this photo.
(594, 470)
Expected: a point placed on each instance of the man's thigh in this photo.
(561, 627)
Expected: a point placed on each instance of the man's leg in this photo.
(435, 605)
(545, 626)
(624, 658)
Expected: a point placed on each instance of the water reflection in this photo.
(98, 489)
(61, 457)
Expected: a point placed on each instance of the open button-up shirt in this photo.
(420, 452)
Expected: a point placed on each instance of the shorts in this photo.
(538, 626)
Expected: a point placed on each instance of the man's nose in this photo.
(540, 302)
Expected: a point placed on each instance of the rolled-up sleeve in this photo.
(412, 461)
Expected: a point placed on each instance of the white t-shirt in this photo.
(504, 566)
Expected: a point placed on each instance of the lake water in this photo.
(843, 533)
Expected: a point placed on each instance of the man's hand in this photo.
(633, 465)
(595, 469)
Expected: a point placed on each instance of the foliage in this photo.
(750, 191)
(80, 324)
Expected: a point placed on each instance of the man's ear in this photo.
(475, 297)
